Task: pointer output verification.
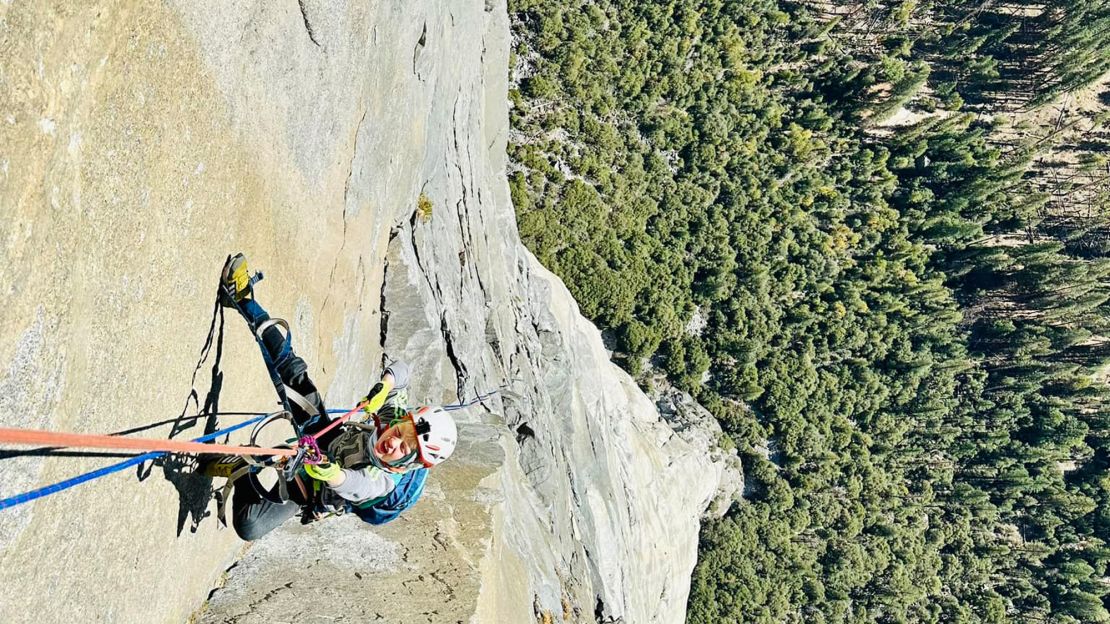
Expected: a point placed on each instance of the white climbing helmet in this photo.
(436, 434)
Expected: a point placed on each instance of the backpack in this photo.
(404, 495)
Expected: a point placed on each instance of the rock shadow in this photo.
(184, 470)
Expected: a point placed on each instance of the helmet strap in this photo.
(404, 462)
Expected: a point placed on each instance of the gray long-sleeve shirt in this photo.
(364, 480)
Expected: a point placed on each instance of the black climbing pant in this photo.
(254, 515)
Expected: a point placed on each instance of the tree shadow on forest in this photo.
(183, 470)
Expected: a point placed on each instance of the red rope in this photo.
(89, 440)
(338, 421)
(86, 440)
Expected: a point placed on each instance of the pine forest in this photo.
(873, 239)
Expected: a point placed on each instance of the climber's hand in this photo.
(375, 399)
(324, 471)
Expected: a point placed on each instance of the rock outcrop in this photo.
(698, 428)
(140, 144)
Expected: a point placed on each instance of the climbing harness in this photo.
(287, 461)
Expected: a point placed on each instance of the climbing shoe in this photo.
(224, 466)
(236, 283)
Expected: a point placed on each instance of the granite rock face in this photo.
(697, 427)
(139, 145)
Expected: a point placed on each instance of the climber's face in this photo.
(397, 443)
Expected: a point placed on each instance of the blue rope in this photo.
(26, 497)
(19, 499)
(477, 399)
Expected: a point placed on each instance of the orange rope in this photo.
(88, 440)
(83, 440)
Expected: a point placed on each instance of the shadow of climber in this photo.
(183, 470)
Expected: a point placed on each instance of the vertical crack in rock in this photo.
(493, 339)
(433, 287)
(346, 193)
(469, 233)
(360, 279)
(437, 296)
(466, 267)
(335, 265)
(307, 25)
(629, 511)
(383, 327)
(593, 443)
(462, 212)
(419, 48)
(572, 487)
(484, 230)
(461, 374)
(351, 167)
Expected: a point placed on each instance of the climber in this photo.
(373, 471)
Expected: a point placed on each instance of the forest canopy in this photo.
(900, 324)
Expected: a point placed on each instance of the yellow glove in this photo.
(323, 472)
(375, 399)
